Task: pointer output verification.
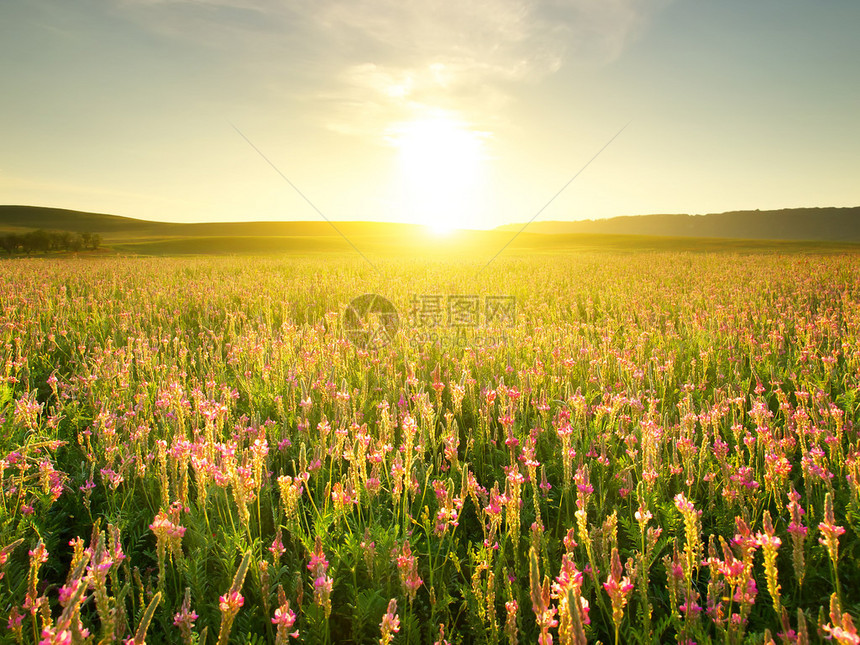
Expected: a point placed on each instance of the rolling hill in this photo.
(823, 224)
(117, 227)
(797, 230)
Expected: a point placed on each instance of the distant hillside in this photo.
(115, 227)
(797, 230)
(824, 224)
(59, 219)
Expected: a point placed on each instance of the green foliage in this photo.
(170, 400)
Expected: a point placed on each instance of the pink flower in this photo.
(841, 627)
(683, 504)
(408, 566)
(390, 624)
(185, 617)
(830, 530)
(39, 554)
(15, 619)
(284, 616)
(231, 602)
(618, 587)
(52, 636)
(277, 548)
(323, 584)
(318, 563)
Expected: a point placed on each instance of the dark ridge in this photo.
(823, 224)
(813, 224)
(59, 219)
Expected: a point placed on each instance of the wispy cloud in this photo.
(371, 62)
(409, 58)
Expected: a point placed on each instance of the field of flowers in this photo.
(655, 448)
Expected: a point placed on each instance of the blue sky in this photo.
(468, 114)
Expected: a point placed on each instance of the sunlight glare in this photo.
(440, 160)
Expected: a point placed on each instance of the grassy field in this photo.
(458, 244)
(624, 446)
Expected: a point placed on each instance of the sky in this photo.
(447, 113)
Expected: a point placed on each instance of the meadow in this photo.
(649, 447)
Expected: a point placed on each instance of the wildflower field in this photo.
(650, 448)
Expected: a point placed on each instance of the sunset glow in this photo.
(441, 162)
(447, 114)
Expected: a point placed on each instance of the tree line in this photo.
(41, 241)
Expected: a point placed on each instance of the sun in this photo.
(440, 161)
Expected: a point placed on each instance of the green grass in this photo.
(476, 245)
(183, 388)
